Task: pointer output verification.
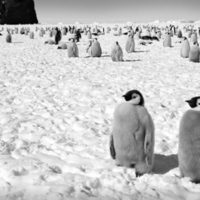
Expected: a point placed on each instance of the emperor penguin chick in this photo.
(116, 52)
(185, 48)
(194, 52)
(72, 49)
(132, 138)
(189, 141)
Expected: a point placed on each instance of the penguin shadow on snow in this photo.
(131, 60)
(141, 51)
(105, 56)
(163, 164)
(18, 42)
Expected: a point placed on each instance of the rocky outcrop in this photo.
(17, 12)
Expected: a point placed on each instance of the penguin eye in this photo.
(134, 96)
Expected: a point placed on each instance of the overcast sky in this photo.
(113, 11)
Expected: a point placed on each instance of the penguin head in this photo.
(136, 97)
(184, 38)
(198, 102)
(194, 102)
(116, 43)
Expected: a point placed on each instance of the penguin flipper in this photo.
(74, 51)
(149, 139)
(112, 148)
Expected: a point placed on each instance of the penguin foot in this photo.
(117, 163)
(196, 181)
(132, 165)
(138, 174)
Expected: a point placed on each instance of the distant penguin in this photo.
(72, 49)
(116, 52)
(58, 35)
(89, 34)
(62, 46)
(130, 44)
(189, 34)
(31, 35)
(41, 33)
(108, 30)
(119, 31)
(179, 35)
(88, 48)
(189, 142)
(22, 31)
(137, 35)
(185, 48)
(167, 40)
(132, 138)
(194, 52)
(153, 34)
(148, 33)
(64, 31)
(159, 34)
(193, 38)
(50, 33)
(16, 30)
(49, 41)
(8, 37)
(77, 35)
(171, 33)
(85, 31)
(95, 49)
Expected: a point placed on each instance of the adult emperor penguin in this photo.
(189, 141)
(72, 49)
(194, 52)
(185, 48)
(58, 35)
(132, 138)
(116, 52)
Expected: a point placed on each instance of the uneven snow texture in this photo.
(56, 116)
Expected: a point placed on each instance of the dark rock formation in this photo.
(17, 12)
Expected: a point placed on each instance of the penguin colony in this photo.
(142, 35)
(133, 134)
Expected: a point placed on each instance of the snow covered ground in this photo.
(56, 116)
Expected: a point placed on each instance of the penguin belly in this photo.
(194, 54)
(128, 135)
(167, 42)
(96, 50)
(130, 45)
(185, 49)
(189, 145)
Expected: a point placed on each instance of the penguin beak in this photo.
(188, 101)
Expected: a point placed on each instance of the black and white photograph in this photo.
(99, 100)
